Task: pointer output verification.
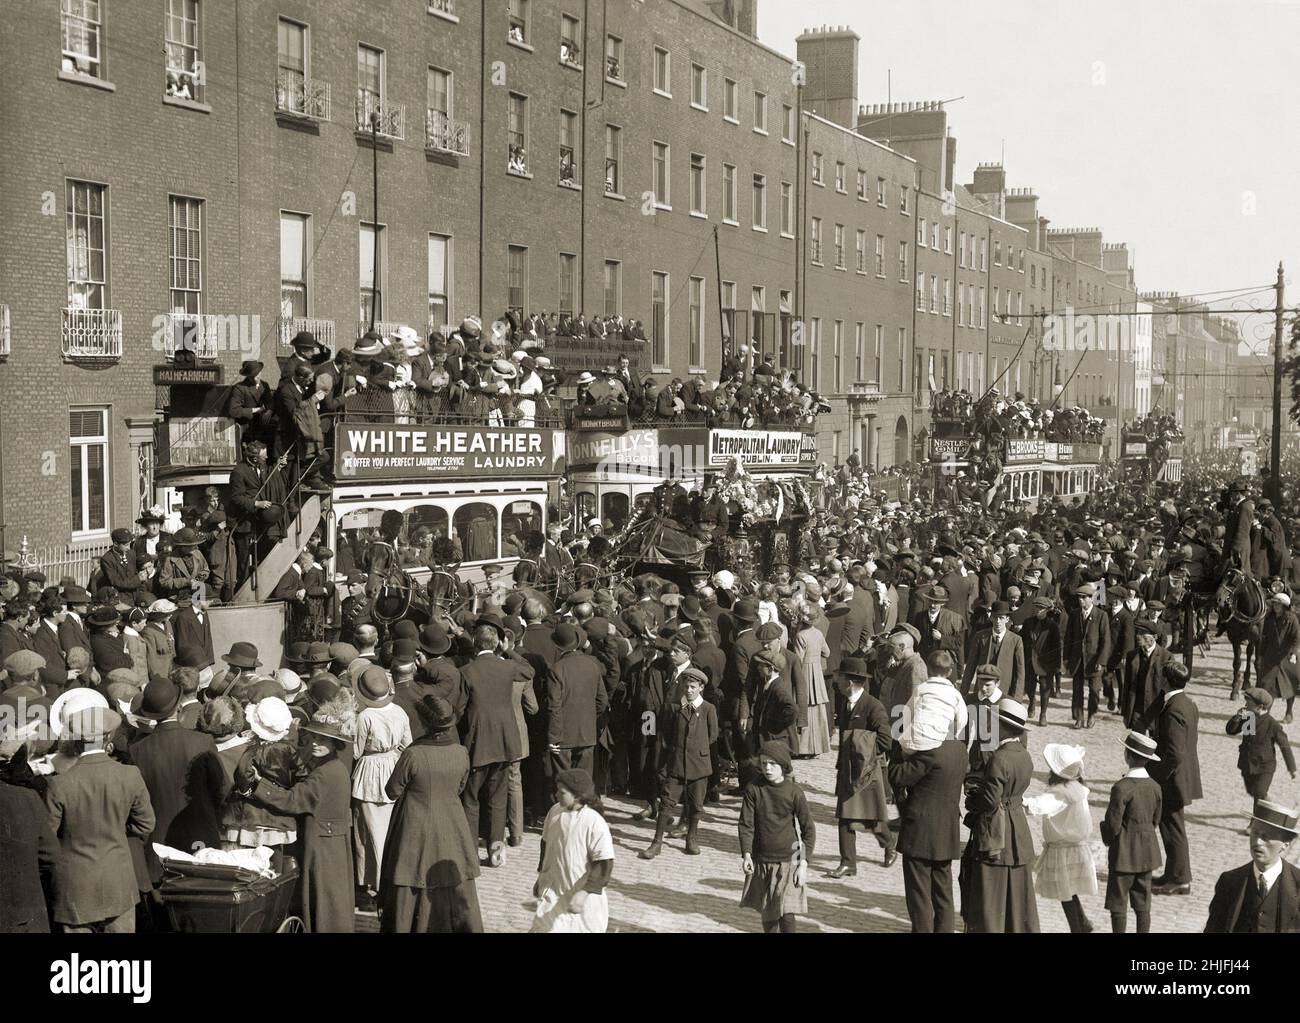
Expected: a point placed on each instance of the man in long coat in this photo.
(860, 800)
(1179, 773)
(1276, 653)
(1144, 673)
(1087, 649)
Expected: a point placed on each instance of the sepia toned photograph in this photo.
(650, 467)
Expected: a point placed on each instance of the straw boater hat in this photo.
(1064, 760)
(1012, 714)
(1278, 817)
(1141, 744)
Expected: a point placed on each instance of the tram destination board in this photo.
(408, 451)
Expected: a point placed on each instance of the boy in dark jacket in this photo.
(1129, 830)
(1260, 733)
(690, 731)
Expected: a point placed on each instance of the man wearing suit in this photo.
(1144, 672)
(771, 712)
(961, 589)
(861, 623)
(1087, 650)
(28, 856)
(1179, 774)
(1040, 635)
(940, 628)
(253, 489)
(1236, 535)
(576, 697)
(180, 768)
(72, 630)
(94, 807)
(118, 564)
(1123, 642)
(740, 645)
(998, 645)
(192, 633)
(1277, 552)
(928, 788)
(1262, 897)
(490, 735)
(45, 641)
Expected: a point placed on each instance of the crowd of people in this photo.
(995, 417)
(395, 761)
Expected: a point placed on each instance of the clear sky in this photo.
(1172, 125)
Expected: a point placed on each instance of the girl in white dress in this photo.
(1065, 868)
(576, 862)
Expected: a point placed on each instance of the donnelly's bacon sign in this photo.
(375, 452)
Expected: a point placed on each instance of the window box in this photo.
(445, 9)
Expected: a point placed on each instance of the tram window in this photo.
(355, 530)
(584, 502)
(613, 509)
(476, 528)
(424, 523)
(520, 519)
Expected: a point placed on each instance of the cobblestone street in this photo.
(677, 893)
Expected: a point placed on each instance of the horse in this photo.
(1241, 604)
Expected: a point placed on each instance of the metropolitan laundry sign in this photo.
(388, 452)
(756, 447)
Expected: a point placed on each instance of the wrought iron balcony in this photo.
(323, 330)
(92, 333)
(199, 333)
(443, 134)
(389, 120)
(304, 97)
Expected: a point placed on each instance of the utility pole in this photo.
(1275, 460)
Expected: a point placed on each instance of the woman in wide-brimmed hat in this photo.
(320, 802)
(1065, 869)
(185, 569)
(383, 731)
(431, 857)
